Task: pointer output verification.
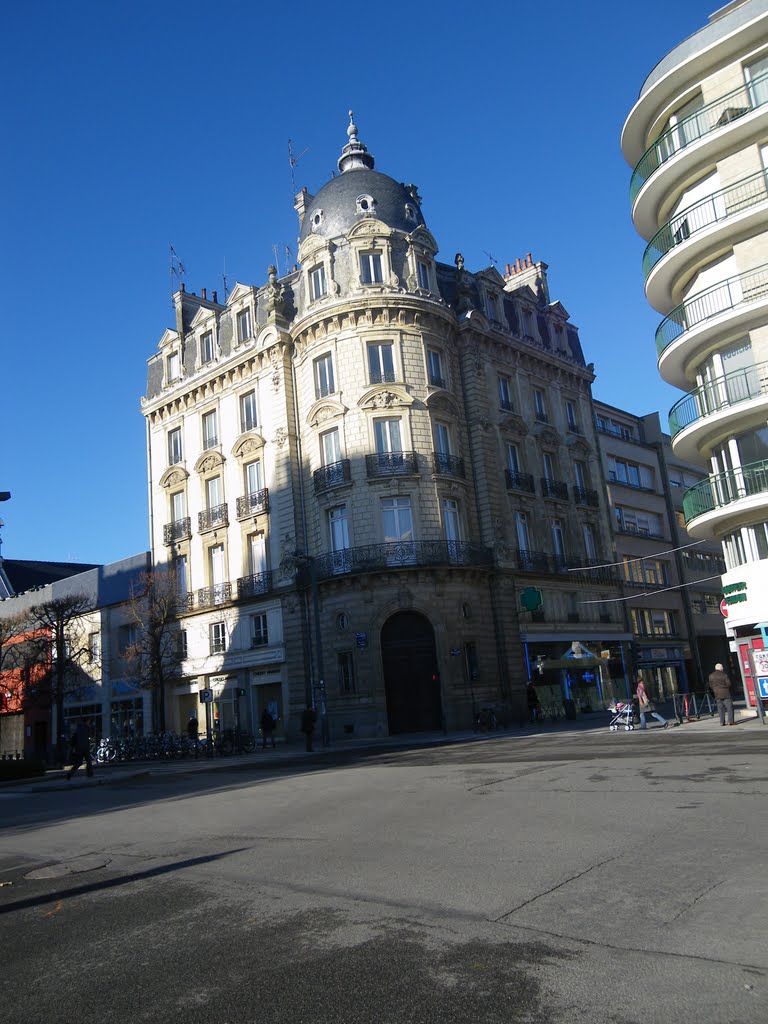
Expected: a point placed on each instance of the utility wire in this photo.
(641, 558)
(651, 593)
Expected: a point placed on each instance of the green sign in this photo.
(531, 599)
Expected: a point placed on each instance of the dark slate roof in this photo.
(24, 575)
(337, 200)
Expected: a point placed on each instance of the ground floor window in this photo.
(127, 718)
(75, 713)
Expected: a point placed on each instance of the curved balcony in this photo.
(703, 413)
(254, 504)
(697, 322)
(254, 585)
(711, 117)
(333, 475)
(391, 464)
(697, 230)
(726, 499)
(212, 518)
(403, 554)
(448, 465)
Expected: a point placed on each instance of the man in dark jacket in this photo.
(81, 749)
(720, 685)
(308, 719)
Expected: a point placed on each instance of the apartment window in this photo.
(513, 459)
(330, 447)
(387, 434)
(181, 571)
(257, 554)
(175, 451)
(397, 524)
(590, 547)
(656, 572)
(249, 413)
(345, 672)
(422, 273)
(570, 416)
(324, 384)
(338, 538)
(505, 393)
(435, 368)
(127, 638)
(491, 306)
(370, 268)
(217, 634)
(470, 660)
(653, 622)
(451, 526)
(94, 648)
(539, 406)
(217, 567)
(206, 347)
(259, 631)
(580, 475)
(178, 507)
(214, 494)
(381, 363)
(442, 439)
(210, 430)
(521, 529)
(558, 540)
(317, 283)
(549, 466)
(253, 477)
(173, 367)
(183, 649)
(244, 329)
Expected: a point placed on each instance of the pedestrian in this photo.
(534, 708)
(81, 749)
(645, 705)
(193, 728)
(308, 719)
(720, 685)
(267, 728)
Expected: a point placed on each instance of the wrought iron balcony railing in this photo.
(210, 442)
(718, 394)
(580, 571)
(253, 504)
(333, 475)
(639, 531)
(417, 554)
(252, 586)
(732, 293)
(185, 602)
(212, 518)
(209, 597)
(179, 529)
(391, 464)
(585, 496)
(725, 488)
(436, 381)
(448, 465)
(519, 481)
(532, 561)
(554, 489)
(383, 377)
(690, 129)
(717, 207)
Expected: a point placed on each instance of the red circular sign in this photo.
(724, 609)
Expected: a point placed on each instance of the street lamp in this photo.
(309, 561)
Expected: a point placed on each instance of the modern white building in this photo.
(697, 138)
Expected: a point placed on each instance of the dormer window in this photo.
(173, 368)
(410, 213)
(317, 283)
(317, 219)
(491, 306)
(206, 347)
(422, 273)
(244, 328)
(370, 268)
(365, 204)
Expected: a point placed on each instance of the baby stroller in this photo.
(623, 715)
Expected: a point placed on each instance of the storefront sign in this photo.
(735, 593)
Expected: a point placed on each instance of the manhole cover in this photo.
(76, 866)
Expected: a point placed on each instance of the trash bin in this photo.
(570, 710)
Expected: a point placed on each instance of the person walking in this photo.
(720, 685)
(645, 705)
(81, 749)
(534, 708)
(308, 718)
(267, 728)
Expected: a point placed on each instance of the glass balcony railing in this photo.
(732, 293)
(725, 488)
(718, 207)
(718, 394)
(707, 119)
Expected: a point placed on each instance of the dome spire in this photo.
(354, 156)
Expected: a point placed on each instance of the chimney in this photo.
(214, 296)
(202, 293)
(182, 287)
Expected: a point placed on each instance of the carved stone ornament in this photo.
(514, 424)
(208, 464)
(384, 400)
(209, 461)
(549, 435)
(274, 299)
(281, 436)
(275, 360)
(173, 477)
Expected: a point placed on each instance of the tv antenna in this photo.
(293, 161)
(493, 259)
(177, 270)
(224, 281)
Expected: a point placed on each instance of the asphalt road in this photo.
(586, 877)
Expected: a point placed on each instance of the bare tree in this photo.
(155, 656)
(12, 674)
(59, 638)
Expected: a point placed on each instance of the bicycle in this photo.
(485, 720)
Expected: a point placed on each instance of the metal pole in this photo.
(324, 730)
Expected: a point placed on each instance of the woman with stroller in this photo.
(645, 705)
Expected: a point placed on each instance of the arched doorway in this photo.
(411, 680)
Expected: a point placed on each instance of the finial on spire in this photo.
(354, 156)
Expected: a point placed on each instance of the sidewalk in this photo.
(55, 779)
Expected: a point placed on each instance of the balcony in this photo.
(724, 490)
(639, 531)
(436, 381)
(519, 481)
(210, 597)
(736, 295)
(585, 496)
(384, 464)
(212, 518)
(252, 586)
(404, 554)
(532, 561)
(554, 489)
(718, 207)
(709, 118)
(718, 396)
(179, 529)
(558, 565)
(253, 504)
(333, 475)
(209, 442)
(448, 465)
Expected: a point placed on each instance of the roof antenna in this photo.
(493, 259)
(224, 280)
(177, 271)
(293, 161)
(277, 261)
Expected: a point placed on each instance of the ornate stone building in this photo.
(359, 468)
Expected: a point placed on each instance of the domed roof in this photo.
(360, 192)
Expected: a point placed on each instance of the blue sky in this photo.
(129, 127)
